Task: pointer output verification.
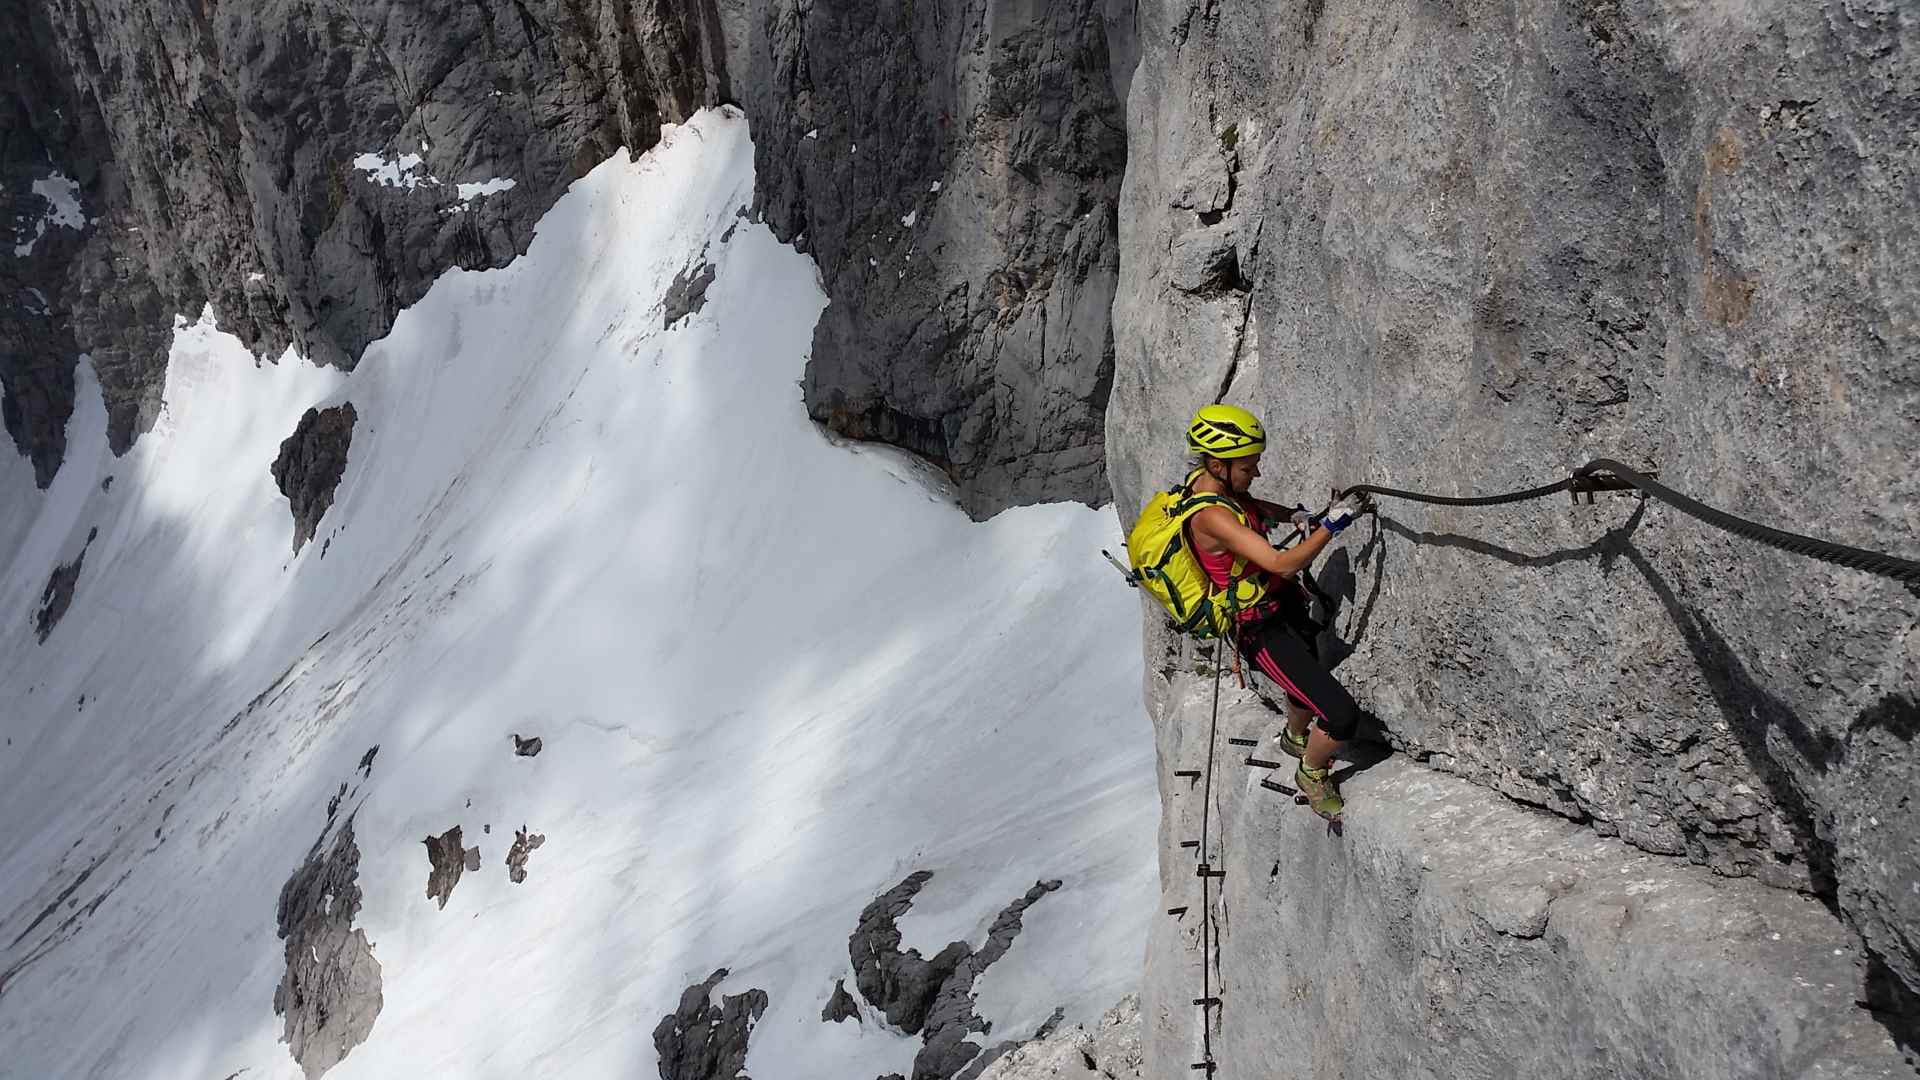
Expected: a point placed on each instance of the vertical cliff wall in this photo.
(954, 168)
(295, 164)
(1463, 247)
(308, 167)
(1451, 932)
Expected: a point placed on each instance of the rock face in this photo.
(953, 165)
(954, 168)
(1477, 245)
(330, 993)
(703, 1041)
(310, 465)
(297, 167)
(1448, 916)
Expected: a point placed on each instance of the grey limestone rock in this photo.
(1485, 244)
(1204, 260)
(1109, 1048)
(330, 993)
(446, 861)
(703, 1041)
(310, 465)
(1452, 932)
(524, 845)
(954, 167)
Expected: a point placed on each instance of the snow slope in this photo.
(773, 676)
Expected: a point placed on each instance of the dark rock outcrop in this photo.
(58, 595)
(840, 1006)
(526, 747)
(932, 998)
(446, 861)
(703, 1041)
(310, 465)
(524, 844)
(330, 994)
(687, 293)
(902, 985)
(1481, 247)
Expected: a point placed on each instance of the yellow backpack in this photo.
(1164, 564)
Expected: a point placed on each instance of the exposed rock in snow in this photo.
(310, 465)
(446, 861)
(525, 747)
(704, 1041)
(841, 1005)
(688, 291)
(902, 985)
(524, 844)
(934, 998)
(58, 594)
(330, 994)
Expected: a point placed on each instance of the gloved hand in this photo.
(1301, 519)
(1343, 511)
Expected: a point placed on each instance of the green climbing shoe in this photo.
(1290, 747)
(1317, 788)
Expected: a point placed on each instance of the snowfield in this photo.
(772, 677)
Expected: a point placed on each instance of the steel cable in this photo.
(1596, 474)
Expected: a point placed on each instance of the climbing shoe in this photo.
(1289, 746)
(1317, 790)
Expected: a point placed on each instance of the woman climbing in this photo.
(1275, 632)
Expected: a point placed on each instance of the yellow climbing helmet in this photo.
(1226, 431)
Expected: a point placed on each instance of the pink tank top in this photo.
(1219, 565)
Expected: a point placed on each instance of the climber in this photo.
(1275, 632)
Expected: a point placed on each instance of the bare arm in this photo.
(1218, 525)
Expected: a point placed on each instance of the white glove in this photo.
(1342, 513)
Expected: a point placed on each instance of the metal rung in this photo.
(1191, 774)
(1207, 871)
(1243, 742)
(1262, 763)
(1177, 911)
(1207, 1002)
(1189, 843)
(1274, 785)
(1207, 1065)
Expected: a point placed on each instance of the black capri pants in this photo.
(1285, 653)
